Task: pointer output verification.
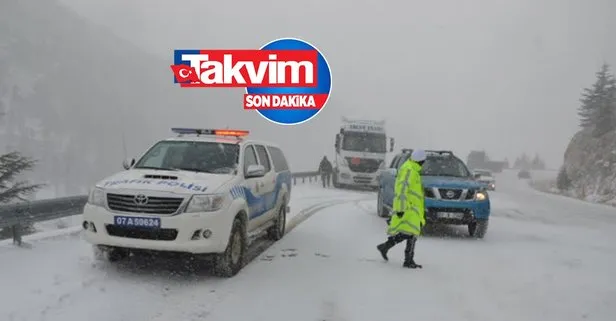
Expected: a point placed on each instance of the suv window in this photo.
(263, 158)
(250, 157)
(280, 162)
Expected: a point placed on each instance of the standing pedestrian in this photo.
(326, 169)
(408, 217)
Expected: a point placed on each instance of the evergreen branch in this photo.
(18, 190)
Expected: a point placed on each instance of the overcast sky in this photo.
(499, 75)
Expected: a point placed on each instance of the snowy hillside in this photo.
(590, 164)
(68, 90)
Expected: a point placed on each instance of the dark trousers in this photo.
(409, 250)
(325, 177)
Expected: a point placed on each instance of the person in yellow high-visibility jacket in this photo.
(408, 217)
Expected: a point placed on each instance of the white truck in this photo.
(361, 147)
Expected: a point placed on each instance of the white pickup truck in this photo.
(485, 176)
(204, 192)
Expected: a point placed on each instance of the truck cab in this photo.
(361, 148)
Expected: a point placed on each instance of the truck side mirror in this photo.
(337, 144)
(391, 144)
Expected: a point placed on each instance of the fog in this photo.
(499, 75)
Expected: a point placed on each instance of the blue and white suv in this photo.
(452, 196)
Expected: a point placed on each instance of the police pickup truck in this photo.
(452, 196)
(204, 192)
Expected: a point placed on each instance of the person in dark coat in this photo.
(326, 169)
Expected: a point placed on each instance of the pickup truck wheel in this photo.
(276, 232)
(478, 229)
(110, 254)
(231, 261)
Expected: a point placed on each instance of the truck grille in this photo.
(163, 234)
(154, 205)
(365, 165)
(450, 194)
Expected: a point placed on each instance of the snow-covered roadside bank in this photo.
(549, 186)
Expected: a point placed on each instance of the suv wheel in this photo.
(478, 229)
(231, 261)
(276, 232)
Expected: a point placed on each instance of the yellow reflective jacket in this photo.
(408, 198)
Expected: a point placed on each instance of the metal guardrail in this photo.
(19, 214)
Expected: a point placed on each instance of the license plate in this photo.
(131, 221)
(449, 215)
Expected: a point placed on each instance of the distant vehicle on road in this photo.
(524, 174)
(361, 148)
(485, 176)
(452, 195)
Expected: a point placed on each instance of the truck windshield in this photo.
(364, 142)
(202, 157)
(444, 166)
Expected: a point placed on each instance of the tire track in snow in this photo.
(197, 308)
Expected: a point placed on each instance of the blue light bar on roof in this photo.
(192, 131)
(217, 132)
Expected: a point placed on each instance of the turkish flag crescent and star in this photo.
(185, 73)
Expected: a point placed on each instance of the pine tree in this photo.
(598, 109)
(563, 182)
(11, 165)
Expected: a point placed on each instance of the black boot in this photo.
(384, 248)
(411, 265)
(409, 253)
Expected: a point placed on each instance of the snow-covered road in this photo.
(545, 258)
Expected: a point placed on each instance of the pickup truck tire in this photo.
(478, 229)
(110, 254)
(229, 263)
(276, 232)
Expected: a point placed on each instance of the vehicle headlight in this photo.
(481, 196)
(205, 203)
(97, 197)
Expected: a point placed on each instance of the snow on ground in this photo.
(523, 270)
(57, 279)
(545, 258)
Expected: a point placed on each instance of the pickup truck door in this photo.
(253, 185)
(267, 186)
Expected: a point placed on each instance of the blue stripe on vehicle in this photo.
(259, 205)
